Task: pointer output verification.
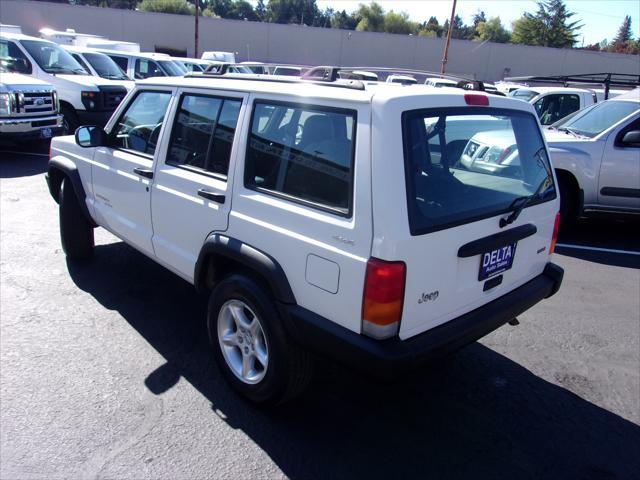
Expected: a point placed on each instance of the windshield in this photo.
(596, 119)
(171, 68)
(192, 67)
(523, 94)
(104, 66)
(465, 164)
(52, 59)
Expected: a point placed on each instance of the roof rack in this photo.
(607, 79)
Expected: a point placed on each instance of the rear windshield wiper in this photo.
(518, 204)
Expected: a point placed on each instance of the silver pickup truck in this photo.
(29, 108)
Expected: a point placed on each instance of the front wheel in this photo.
(250, 345)
(76, 233)
(70, 121)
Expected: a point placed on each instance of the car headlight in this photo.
(5, 104)
(90, 100)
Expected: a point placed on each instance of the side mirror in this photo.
(91, 136)
(631, 139)
(20, 65)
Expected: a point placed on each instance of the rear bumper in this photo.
(388, 358)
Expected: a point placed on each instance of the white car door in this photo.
(191, 194)
(619, 184)
(123, 170)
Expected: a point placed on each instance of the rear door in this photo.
(448, 230)
(191, 194)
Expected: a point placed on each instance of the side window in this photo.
(122, 62)
(203, 133)
(12, 58)
(139, 126)
(147, 68)
(552, 108)
(302, 152)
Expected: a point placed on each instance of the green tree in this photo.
(241, 10)
(370, 18)
(292, 11)
(343, 20)
(398, 23)
(460, 30)
(261, 10)
(492, 31)
(431, 28)
(623, 42)
(550, 26)
(167, 6)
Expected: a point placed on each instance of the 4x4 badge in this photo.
(428, 297)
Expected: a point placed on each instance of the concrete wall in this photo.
(314, 46)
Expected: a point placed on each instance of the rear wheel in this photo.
(250, 345)
(76, 233)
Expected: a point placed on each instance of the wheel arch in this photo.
(569, 179)
(60, 168)
(221, 255)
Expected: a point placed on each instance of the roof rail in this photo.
(327, 75)
(608, 79)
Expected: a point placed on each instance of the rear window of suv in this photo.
(466, 164)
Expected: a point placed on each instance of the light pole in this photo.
(445, 56)
(195, 55)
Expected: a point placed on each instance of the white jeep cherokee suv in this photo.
(326, 217)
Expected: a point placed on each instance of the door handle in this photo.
(143, 172)
(209, 195)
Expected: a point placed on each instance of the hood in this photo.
(554, 137)
(16, 79)
(94, 81)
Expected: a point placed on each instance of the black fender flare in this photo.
(218, 245)
(59, 168)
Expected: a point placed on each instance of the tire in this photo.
(70, 121)
(76, 233)
(568, 202)
(278, 369)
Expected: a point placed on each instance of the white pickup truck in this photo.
(554, 103)
(596, 155)
(28, 108)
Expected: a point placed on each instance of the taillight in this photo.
(554, 237)
(476, 99)
(382, 299)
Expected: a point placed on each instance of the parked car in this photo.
(29, 108)
(326, 217)
(226, 57)
(99, 65)
(257, 67)
(288, 71)
(596, 154)
(554, 103)
(360, 75)
(438, 82)
(143, 65)
(192, 64)
(402, 79)
(84, 98)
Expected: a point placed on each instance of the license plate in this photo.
(46, 133)
(496, 261)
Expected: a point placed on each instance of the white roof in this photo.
(156, 56)
(307, 90)
(441, 80)
(542, 90)
(633, 95)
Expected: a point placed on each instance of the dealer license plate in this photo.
(496, 261)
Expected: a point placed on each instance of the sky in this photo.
(601, 18)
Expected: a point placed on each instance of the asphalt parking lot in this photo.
(105, 373)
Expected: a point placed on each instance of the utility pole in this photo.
(195, 54)
(445, 56)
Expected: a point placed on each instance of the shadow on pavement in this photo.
(476, 414)
(22, 160)
(606, 233)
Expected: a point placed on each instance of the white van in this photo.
(227, 57)
(84, 98)
(144, 65)
(554, 103)
(99, 65)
